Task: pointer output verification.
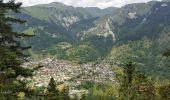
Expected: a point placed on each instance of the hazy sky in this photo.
(84, 3)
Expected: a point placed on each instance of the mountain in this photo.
(87, 47)
(55, 22)
(150, 22)
(64, 30)
(142, 33)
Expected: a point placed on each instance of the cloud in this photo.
(84, 3)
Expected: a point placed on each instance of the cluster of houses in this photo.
(69, 73)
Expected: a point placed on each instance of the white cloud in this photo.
(84, 3)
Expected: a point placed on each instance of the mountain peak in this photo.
(54, 4)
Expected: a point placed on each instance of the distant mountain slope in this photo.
(135, 21)
(56, 23)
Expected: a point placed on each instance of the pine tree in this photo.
(126, 82)
(135, 86)
(167, 52)
(52, 92)
(11, 48)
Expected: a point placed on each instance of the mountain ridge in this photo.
(99, 28)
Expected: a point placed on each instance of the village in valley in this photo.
(68, 73)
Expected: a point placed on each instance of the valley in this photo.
(85, 53)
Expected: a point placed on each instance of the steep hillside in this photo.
(55, 22)
(142, 34)
(135, 21)
(57, 26)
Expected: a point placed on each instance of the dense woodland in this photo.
(141, 64)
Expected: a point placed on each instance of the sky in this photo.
(84, 3)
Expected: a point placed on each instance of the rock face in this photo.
(69, 73)
(64, 21)
(103, 29)
(70, 20)
(132, 15)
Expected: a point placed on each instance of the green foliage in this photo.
(55, 52)
(30, 31)
(166, 53)
(11, 51)
(104, 92)
(83, 54)
(87, 85)
(59, 51)
(38, 13)
(135, 86)
(52, 92)
(100, 43)
(145, 53)
(164, 90)
(65, 93)
(64, 45)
